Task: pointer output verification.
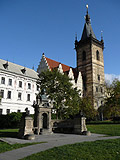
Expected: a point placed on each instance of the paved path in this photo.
(54, 140)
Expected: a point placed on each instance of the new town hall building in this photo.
(18, 84)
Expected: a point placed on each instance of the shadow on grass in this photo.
(9, 134)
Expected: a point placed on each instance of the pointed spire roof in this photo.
(87, 31)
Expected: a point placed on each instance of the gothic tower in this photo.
(90, 63)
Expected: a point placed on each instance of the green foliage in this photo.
(87, 107)
(112, 101)
(11, 120)
(67, 100)
(59, 89)
(98, 150)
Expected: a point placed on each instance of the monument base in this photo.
(29, 137)
(45, 132)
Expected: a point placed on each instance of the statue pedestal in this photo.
(26, 126)
(80, 126)
(46, 131)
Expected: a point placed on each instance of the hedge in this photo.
(11, 120)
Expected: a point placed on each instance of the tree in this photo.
(77, 104)
(57, 87)
(112, 101)
(67, 100)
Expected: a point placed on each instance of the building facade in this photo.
(18, 87)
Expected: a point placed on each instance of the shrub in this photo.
(11, 120)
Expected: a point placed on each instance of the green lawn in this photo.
(8, 147)
(109, 129)
(98, 150)
(11, 133)
(8, 133)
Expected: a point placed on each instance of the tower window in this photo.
(3, 80)
(83, 55)
(101, 90)
(96, 89)
(98, 77)
(84, 82)
(97, 55)
(10, 82)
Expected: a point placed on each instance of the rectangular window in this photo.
(2, 93)
(10, 82)
(3, 80)
(29, 86)
(1, 110)
(8, 111)
(19, 96)
(98, 77)
(96, 89)
(20, 84)
(28, 97)
(9, 95)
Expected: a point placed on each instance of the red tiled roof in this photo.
(54, 64)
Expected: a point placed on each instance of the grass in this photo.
(108, 129)
(98, 150)
(11, 133)
(8, 147)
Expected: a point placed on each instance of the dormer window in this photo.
(5, 65)
(83, 55)
(97, 55)
(23, 70)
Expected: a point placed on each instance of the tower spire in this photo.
(87, 31)
(76, 36)
(87, 8)
(87, 17)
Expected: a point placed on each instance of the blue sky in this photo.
(30, 27)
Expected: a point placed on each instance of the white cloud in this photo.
(110, 77)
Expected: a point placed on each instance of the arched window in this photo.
(97, 55)
(83, 55)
